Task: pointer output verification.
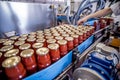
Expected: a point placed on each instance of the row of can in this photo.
(28, 53)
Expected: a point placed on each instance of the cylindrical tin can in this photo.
(12, 52)
(14, 68)
(43, 57)
(63, 47)
(18, 43)
(75, 40)
(29, 61)
(54, 51)
(70, 43)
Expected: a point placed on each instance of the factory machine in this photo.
(36, 48)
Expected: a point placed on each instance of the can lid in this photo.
(17, 43)
(40, 40)
(14, 37)
(27, 53)
(0, 54)
(37, 45)
(31, 39)
(32, 36)
(3, 40)
(51, 41)
(53, 46)
(79, 33)
(40, 31)
(49, 37)
(47, 34)
(32, 33)
(24, 46)
(62, 42)
(24, 35)
(75, 36)
(65, 35)
(59, 37)
(40, 36)
(11, 62)
(9, 42)
(46, 30)
(6, 48)
(69, 38)
(42, 51)
(56, 34)
(22, 38)
(12, 52)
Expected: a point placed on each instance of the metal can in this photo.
(54, 52)
(24, 46)
(18, 43)
(14, 68)
(6, 48)
(12, 52)
(75, 39)
(63, 47)
(29, 61)
(42, 41)
(70, 43)
(31, 40)
(43, 57)
(9, 42)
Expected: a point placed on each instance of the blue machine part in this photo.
(97, 62)
(102, 60)
(82, 47)
(55, 69)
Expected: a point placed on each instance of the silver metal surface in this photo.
(86, 74)
(25, 17)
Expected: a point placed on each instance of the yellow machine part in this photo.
(115, 42)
